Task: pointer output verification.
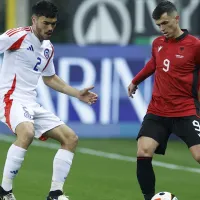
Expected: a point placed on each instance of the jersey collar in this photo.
(181, 37)
(185, 33)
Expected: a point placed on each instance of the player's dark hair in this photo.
(45, 8)
(163, 7)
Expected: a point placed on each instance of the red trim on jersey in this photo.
(18, 43)
(16, 30)
(43, 138)
(8, 102)
(49, 58)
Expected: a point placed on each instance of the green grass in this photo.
(97, 178)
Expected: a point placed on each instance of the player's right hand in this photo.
(132, 89)
(87, 96)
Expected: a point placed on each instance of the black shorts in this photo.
(160, 128)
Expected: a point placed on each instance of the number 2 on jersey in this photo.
(38, 63)
(166, 64)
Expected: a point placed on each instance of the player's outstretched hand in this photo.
(88, 97)
(132, 89)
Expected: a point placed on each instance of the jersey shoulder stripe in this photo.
(18, 43)
(17, 30)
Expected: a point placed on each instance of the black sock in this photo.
(146, 177)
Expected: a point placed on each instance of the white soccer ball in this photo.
(164, 196)
(63, 197)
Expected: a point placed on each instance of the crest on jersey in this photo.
(181, 50)
(46, 53)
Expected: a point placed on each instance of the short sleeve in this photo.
(50, 69)
(12, 39)
(5, 42)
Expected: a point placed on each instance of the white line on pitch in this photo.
(112, 156)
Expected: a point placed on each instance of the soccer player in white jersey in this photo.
(28, 54)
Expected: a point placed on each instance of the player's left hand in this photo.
(88, 97)
(132, 89)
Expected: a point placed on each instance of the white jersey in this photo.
(25, 60)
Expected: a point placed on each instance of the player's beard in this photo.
(48, 34)
(39, 33)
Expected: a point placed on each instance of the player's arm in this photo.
(53, 81)
(147, 71)
(59, 85)
(56, 83)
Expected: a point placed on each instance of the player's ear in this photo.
(33, 19)
(177, 19)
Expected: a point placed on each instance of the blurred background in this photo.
(103, 22)
(104, 43)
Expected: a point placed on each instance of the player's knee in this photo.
(146, 147)
(197, 157)
(144, 151)
(70, 139)
(195, 150)
(25, 136)
(73, 139)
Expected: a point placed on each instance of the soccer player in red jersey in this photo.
(174, 107)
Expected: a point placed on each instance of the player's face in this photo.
(44, 26)
(168, 25)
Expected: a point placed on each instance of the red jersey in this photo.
(176, 66)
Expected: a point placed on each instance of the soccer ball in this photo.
(63, 197)
(164, 196)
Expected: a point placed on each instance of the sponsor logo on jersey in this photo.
(30, 48)
(46, 53)
(179, 56)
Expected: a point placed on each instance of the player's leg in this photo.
(188, 129)
(153, 137)
(195, 150)
(50, 126)
(63, 158)
(145, 172)
(23, 128)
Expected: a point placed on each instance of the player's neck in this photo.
(178, 33)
